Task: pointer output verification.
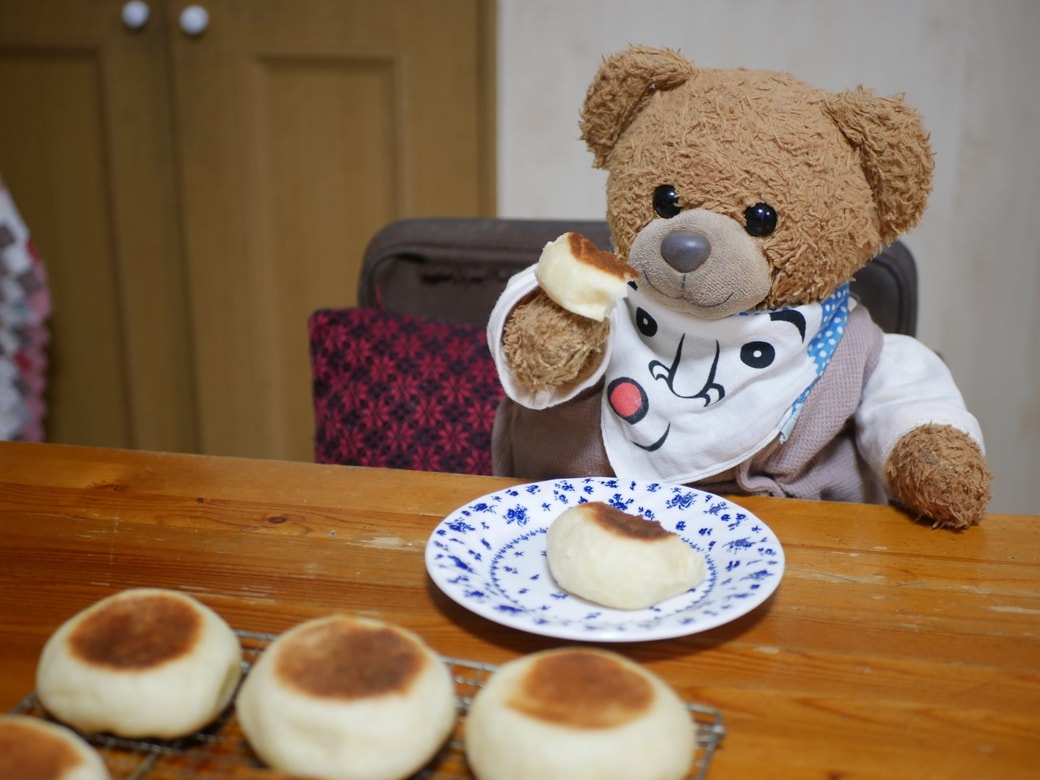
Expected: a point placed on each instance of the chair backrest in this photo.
(406, 380)
(454, 268)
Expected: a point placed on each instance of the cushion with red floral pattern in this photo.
(400, 391)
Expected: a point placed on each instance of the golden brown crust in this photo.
(137, 633)
(582, 689)
(584, 251)
(31, 753)
(346, 660)
(614, 521)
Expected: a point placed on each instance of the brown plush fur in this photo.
(846, 173)
(941, 474)
(783, 142)
(894, 155)
(620, 91)
(551, 362)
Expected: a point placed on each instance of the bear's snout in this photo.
(701, 261)
(685, 250)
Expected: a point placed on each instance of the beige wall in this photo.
(971, 67)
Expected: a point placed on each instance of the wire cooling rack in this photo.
(221, 750)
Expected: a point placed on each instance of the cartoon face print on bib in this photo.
(685, 398)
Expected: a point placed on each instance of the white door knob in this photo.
(194, 20)
(135, 14)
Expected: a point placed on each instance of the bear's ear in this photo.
(894, 153)
(623, 84)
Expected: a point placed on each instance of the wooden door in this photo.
(87, 150)
(195, 197)
(305, 125)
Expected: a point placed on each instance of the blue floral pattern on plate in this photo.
(489, 556)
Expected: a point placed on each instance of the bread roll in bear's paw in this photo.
(578, 714)
(36, 749)
(619, 560)
(347, 698)
(145, 662)
(582, 278)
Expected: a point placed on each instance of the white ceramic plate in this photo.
(489, 556)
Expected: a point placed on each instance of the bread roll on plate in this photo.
(36, 749)
(582, 278)
(615, 559)
(144, 662)
(578, 714)
(347, 698)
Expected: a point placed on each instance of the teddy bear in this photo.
(734, 359)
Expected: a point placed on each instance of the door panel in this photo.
(196, 197)
(317, 149)
(325, 121)
(86, 150)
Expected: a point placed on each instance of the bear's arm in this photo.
(520, 287)
(911, 387)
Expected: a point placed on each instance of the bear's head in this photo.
(732, 190)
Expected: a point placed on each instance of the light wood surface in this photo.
(889, 650)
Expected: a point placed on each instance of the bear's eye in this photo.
(666, 201)
(760, 219)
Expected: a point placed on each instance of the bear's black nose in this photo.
(685, 250)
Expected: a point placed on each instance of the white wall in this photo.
(971, 67)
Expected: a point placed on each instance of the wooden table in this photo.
(889, 650)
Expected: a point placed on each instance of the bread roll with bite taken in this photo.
(582, 278)
(347, 698)
(578, 714)
(36, 749)
(597, 552)
(145, 662)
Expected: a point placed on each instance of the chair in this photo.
(406, 380)
(454, 268)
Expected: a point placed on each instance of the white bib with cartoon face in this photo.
(684, 399)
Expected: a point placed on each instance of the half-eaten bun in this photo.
(582, 278)
(615, 559)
